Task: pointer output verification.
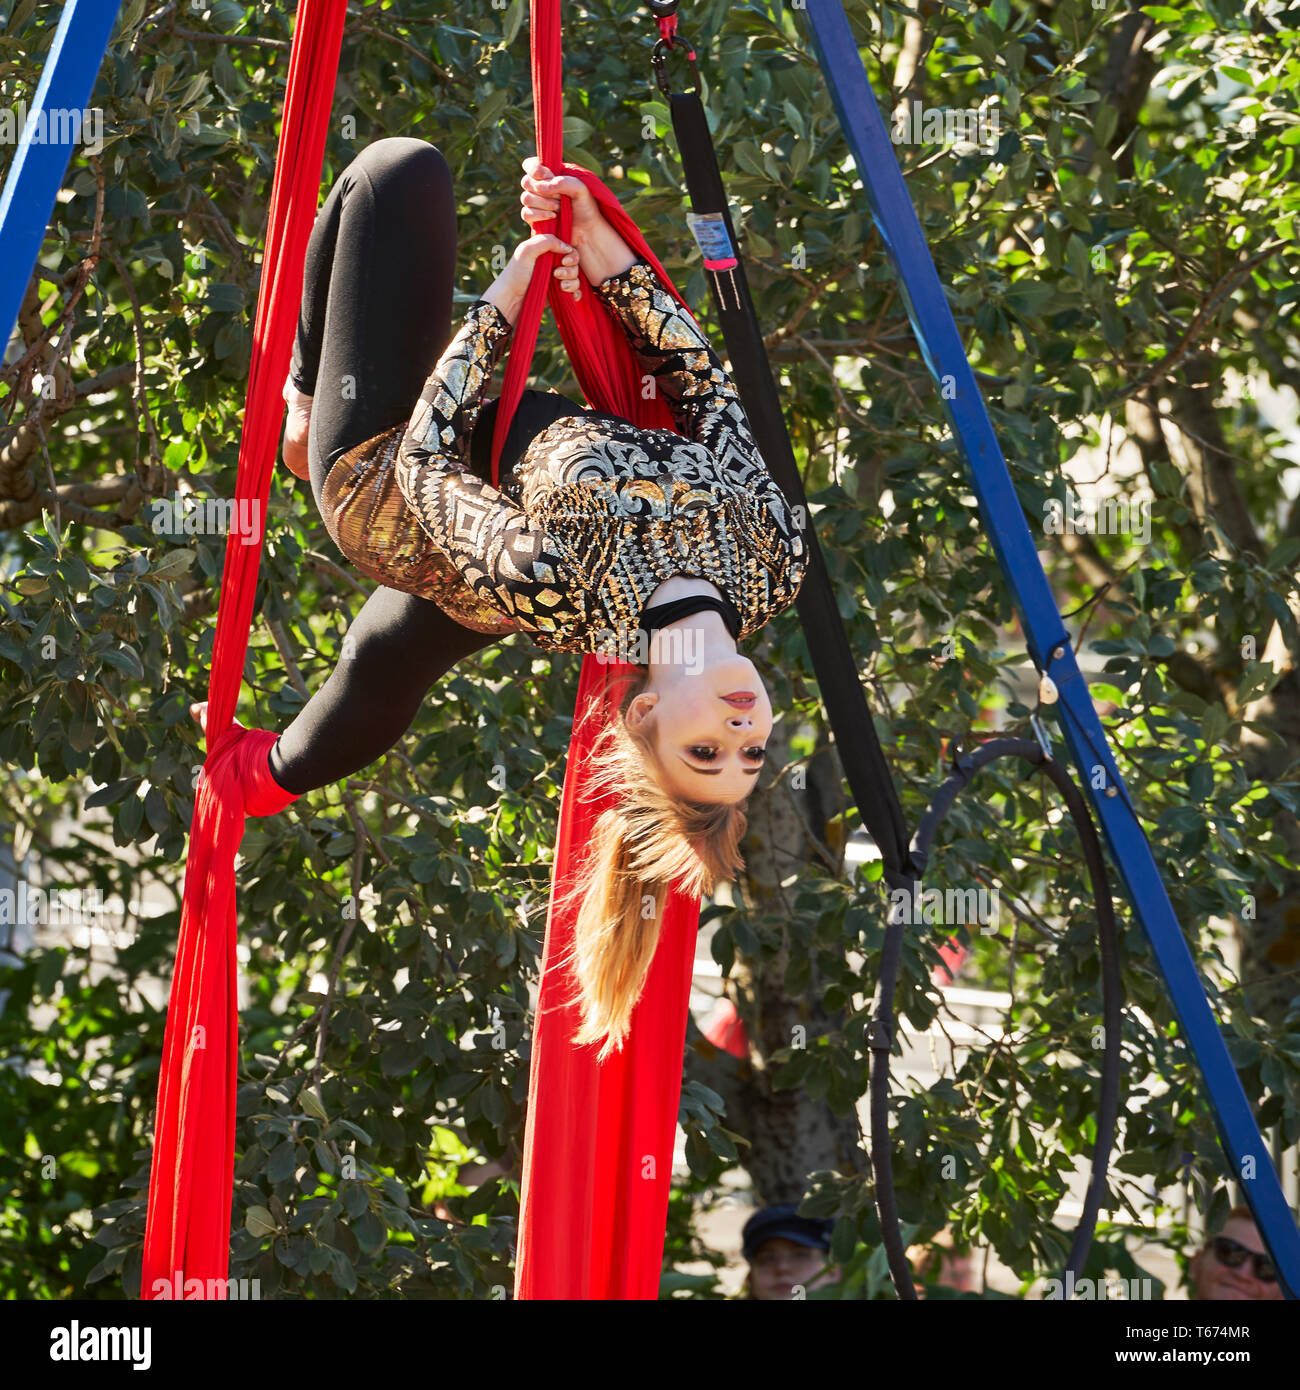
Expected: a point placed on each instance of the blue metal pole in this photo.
(1046, 635)
(39, 163)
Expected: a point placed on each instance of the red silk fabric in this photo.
(599, 1139)
(187, 1231)
(598, 1145)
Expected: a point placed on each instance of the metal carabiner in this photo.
(659, 61)
(665, 13)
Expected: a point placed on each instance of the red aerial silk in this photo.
(599, 1138)
(598, 1145)
(187, 1231)
(598, 1149)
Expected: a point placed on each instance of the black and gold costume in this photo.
(597, 513)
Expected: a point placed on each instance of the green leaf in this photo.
(699, 1156)
(309, 1102)
(1200, 783)
(111, 794)
(491, 109)
(125, 659)
(371, 1233)
(750, 158)
(344, 1275)
(1105, 123)
(281, 1162)
(259, 1222)
(174, 563)
(723, 950)
(1283, 556)
(225, 298)
(1028, 297)
(155, 810)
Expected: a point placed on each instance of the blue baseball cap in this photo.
(783, 1221)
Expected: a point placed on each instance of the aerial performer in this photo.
(657, 549)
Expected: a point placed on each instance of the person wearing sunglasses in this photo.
(1234, 1264)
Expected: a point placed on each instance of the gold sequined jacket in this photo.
(596, 513)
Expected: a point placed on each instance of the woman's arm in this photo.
(670, 346)
(443, 419)
(476, 526)
(603, 252)
(503, 558)
(704, 404)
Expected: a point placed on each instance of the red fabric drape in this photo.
(599, 1139)
(187, 1233)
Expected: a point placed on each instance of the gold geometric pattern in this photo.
(596, 514)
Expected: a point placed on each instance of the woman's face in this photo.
(709, 727)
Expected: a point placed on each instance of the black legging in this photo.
(376, 317)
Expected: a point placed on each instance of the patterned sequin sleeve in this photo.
(669, 345)
(485, 534)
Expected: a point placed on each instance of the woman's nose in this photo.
(740, 721)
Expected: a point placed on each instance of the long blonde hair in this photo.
(643, 844)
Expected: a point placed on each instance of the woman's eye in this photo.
(705, 755)
(755, 754)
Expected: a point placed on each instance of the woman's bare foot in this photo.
(199, 713)
(296, 429)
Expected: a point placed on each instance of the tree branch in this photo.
(1210, 303)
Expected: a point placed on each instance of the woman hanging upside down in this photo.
(641, 545)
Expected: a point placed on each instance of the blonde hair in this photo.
(643, 844)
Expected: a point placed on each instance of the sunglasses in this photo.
(1232, 1254)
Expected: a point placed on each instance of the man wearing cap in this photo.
(787, 1253)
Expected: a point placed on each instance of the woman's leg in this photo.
(375, 318)
(399, 646)
(377, 295)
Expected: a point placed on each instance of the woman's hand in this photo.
(602, 252)
(541, 199)
(508, 289)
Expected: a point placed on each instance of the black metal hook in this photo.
(659, 60)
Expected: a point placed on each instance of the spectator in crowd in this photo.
(1233, 1264)
(787, 1254)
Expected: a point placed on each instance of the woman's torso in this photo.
(596, 512)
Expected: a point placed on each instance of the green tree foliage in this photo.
(1131, 238)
